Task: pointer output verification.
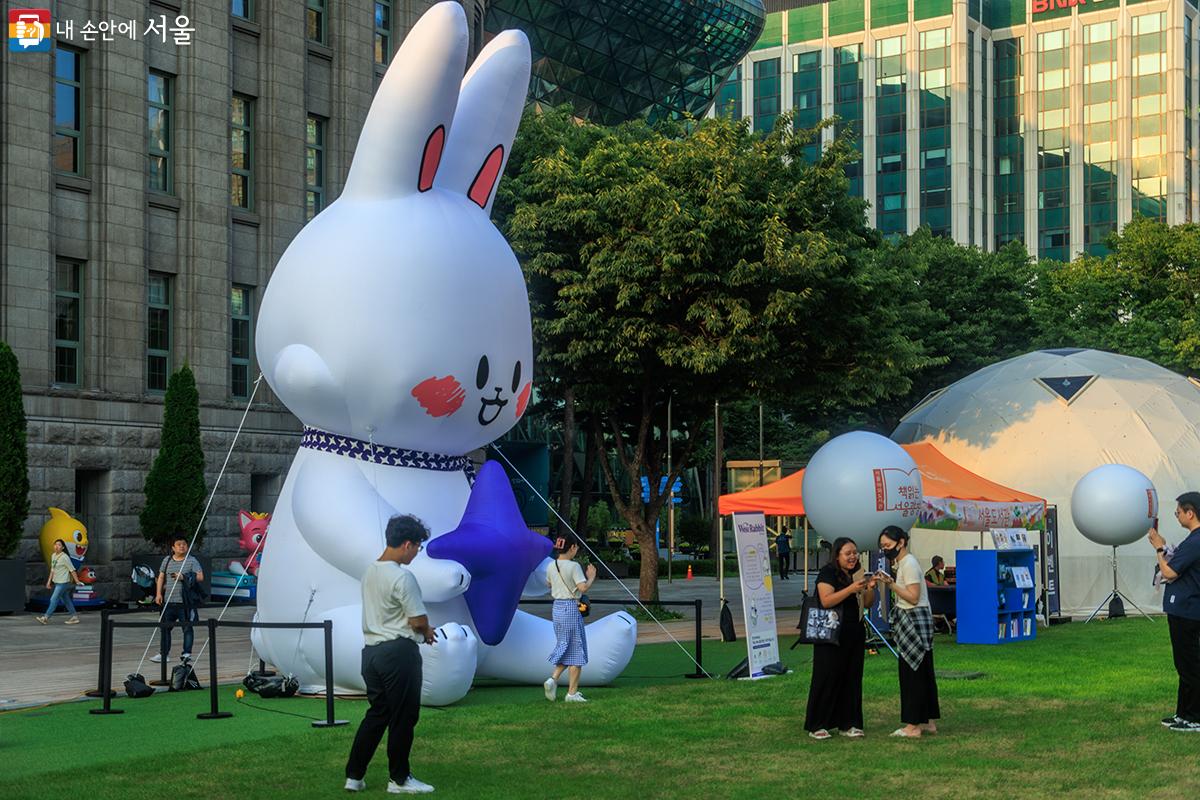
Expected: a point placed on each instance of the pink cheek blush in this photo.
(523, 399)
(440, 397)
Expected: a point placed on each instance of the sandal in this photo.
(904, 734)
(820, 734)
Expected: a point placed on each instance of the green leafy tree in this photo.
(695, 264)
(1139, 300)
(175, 486)
(14, 474)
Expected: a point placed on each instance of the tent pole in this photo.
(721, 557)
(806, 552)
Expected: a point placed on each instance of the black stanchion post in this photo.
(329, 721)
(162, 664)
(214, 712)
(101, 688)
(106, 672)
(699, 673)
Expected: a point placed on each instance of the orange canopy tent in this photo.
(950, 490)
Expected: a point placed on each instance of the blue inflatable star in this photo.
(497, 548)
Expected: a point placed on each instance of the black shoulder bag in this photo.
(819, 625)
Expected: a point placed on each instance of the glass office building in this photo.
(1049, 122)
(615, 60)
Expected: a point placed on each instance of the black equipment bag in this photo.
(136, 686)
(183, 677)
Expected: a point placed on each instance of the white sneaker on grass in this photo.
(1171, 720)
(157, 658)
(575, 698)
(410, 786)
(353, 785)
(551, 687)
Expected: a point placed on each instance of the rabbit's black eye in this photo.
(481, 373)
(516, 377)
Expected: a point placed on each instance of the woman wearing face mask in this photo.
(912, 623)
(835, 694)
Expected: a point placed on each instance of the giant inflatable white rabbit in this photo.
(396, 327)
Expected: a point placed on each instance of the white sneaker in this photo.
(575, 698)
(157, 658)
(551, 687)
(184, 656)
(410, 786)
(353, 785)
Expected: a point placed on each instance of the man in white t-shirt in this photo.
(394, 623)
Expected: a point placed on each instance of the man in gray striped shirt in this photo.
(174, 570)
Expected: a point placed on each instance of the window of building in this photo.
(848, 105)
(314, 21)
(806, 96)
(1099, 135)
(1009, 154)
(934, 66)
(314, 166)
(891, 123)
(729, 96)
(264, 492)
(767, 85)
(68, 321)
(241, 152)
(240, 309)
(160, 172)
(68, 110)
(383, 31)
(1054, 145)
(158, 331)
(242, 8)
(1149, 87)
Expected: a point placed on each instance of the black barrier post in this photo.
(329, 721)
(214, 712)
(106, 672)
(699, 673)
(162, 679)
(105, 632)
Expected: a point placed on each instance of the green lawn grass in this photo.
(1073, 714)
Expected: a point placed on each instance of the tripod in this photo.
(1115, 607)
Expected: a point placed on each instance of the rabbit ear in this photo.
(489, 110)
(401, 142)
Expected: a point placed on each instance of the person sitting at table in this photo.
(936, 574)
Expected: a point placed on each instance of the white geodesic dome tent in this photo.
(1038, 422)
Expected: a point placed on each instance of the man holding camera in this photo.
(172, 575)
(1181, 602)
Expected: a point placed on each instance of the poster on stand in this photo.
(758, 598)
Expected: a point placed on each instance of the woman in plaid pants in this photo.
(567, 583)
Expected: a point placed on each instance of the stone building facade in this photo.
(152, 171)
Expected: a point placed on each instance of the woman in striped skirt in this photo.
(567, 583)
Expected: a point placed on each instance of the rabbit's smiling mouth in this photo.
(497, 402)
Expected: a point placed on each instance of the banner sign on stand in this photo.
(758, 598)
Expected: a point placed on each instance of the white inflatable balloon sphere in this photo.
(398, 318)
(859, 483)
(1114, 505)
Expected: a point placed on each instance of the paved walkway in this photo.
(56, 662)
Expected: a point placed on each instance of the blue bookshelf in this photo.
(994, 607)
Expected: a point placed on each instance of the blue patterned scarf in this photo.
(317, 439)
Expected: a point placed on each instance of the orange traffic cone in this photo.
(689, 575)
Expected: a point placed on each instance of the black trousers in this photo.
(1185, 646)
(392, 672)
(835, 693)
(784, 562)
(918, 692)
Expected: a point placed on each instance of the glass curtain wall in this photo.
(935, 130)
(1099, 135)
(1149, 86)
(1054, 144)
(891, 121)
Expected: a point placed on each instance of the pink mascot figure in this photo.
(254, 533)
